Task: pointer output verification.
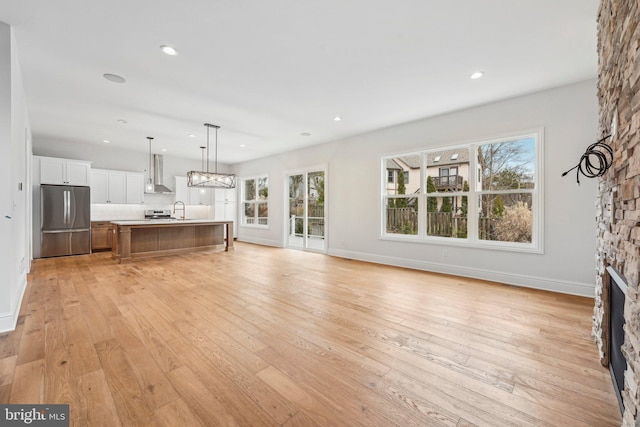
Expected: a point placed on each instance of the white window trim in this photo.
(243, 224)
(537, 233)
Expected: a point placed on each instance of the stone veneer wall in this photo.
(618, 203)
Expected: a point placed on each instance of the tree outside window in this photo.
(506, 193)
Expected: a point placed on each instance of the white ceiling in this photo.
(267, 71)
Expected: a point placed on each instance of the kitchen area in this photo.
(81, 209)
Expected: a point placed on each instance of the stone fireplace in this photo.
(618, 202)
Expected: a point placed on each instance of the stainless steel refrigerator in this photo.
(65, 227)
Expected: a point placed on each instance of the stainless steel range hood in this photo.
(158, 174)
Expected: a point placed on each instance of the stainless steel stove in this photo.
(158, 214)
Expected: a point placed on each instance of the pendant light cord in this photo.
(216, 161)
(150, 157)
(216, 151)
(207, 146)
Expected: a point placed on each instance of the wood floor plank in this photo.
(32, 340)
(287, 388)
(5, 393)
(202, 402)
(300, 419)
(7, 369)
(379, 406)
(96, 406)
(156, 387)
(10, 341)
(153, 342)
(177, 413)
(58, 378)
(99, 330)
(127, 395)
(230, 381)
(264, 336)
(82, 353)
(28, 383)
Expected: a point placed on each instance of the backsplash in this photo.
(112, 212)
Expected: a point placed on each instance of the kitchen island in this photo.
(149, 238)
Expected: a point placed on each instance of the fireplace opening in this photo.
(617, 361)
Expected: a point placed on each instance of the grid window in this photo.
(502, 208)
(255, 201)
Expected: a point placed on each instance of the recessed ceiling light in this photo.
(242, 145)
(337, 118)
(114, 78)
(191, 135)
(164, 150)
(476, 75)
(169, 50)
(305, 134)
(106, 141)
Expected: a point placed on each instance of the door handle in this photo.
(64, 207)
(68, 207)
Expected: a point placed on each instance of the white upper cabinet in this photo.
(135, 188)
(108, 186)
(182, 191)
(192, 195)
(200, 196)
(64, 172)
(99, 186)
(226, 195)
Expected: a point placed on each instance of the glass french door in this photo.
(306, 216)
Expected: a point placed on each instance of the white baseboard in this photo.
(9, 320)
(265, 242)
(554, 285)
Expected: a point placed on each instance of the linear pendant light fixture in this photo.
(211, 179)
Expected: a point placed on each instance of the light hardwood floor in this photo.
(264, 336)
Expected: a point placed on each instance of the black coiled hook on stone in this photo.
(595, 161)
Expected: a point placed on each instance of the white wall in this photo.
(14, 182)
(569, 118)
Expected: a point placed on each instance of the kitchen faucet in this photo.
(183, 210)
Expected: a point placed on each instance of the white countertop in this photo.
(167, 221)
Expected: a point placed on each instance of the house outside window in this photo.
(503, 210)
(255, 201)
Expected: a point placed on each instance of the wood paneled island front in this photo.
(148, 238)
